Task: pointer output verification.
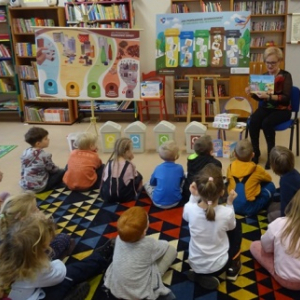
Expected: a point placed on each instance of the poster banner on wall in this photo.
(203, 42)
(86, 64)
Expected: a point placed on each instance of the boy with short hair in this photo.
(38, 172)
(282, 162)
(164, 187)
(203, 155)
(251, 182)
(138, 261)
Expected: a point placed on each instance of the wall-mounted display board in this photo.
(78, 63)
(216, 40)
(295, 28)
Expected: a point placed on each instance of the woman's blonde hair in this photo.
(15, 208)
(169, 151)
(210, 187)
(85, 140)
(273, 51)
(291, 228)
(24, 249)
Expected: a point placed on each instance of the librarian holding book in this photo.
(274, 107)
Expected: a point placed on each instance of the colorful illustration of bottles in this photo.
(232, 48)
(201, 53)
(172, 42)
(217, 46)
(186, 48)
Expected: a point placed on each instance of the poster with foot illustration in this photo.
(77, 63)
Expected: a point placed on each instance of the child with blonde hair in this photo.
(216, 235)
(26, 269)
(38, 172)
(22, 206)
(278, 250)
(138, 261)
(84, 168)
(121, 181)
(164, 187)
(252, 182)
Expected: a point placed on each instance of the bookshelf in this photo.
(36, 110)
(9, 89)
(102, 14)
(268, 27)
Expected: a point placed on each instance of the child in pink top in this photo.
(278, 250)
(84, 169)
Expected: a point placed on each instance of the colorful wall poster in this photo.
(188, 41)
(78, 63)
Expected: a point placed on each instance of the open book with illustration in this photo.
(262, 83)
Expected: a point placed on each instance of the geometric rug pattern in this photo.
(6, 149)
(90, 221)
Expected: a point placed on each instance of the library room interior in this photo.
(125, 90)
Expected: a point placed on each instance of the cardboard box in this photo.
(228, 149)
(218, 147)
(151, 89)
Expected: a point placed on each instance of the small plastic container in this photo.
(164, 131)
(193, 131)
(71, 140)
(109, 133)
(136, 131)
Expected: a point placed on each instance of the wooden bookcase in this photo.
(103, 14)
(9, 88)
(268, 27)
(60, 111)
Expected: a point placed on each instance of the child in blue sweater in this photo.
(164, 187)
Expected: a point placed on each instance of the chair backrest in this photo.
(238, 104)
(152, 76)
(295, 99)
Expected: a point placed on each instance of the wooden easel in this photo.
(202, 79)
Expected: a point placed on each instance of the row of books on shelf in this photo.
(211, 6)
(4, 51)
(21, 25)
(6, 68)
(96, 12)
(103, 25)
(51, 114)
(25, 49)
(264, 26)
(3, 16)
(179, 8)
(28, 72)
(182, 107)
(257, 57)
(261, 7)
(257, 42)
(30, 90)
(9, 104)
(7, 85)
(106, 105)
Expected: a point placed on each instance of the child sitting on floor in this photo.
(84, 169)
(216, 235)
(203, 155)
(121, 181)
(16, 208)
(278, 250)
(282, 163)
(38, 172)
(138, 261)
(164, 187)
(252, 182)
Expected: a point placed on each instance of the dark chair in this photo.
(293, 122)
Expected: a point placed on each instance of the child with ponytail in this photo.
(216, 235)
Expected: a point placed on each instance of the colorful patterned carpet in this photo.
(91, 222)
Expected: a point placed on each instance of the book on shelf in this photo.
(261, 7)
(7, 85)
(52, 114)
(261, 84)
(9, 104)
(181, 108)
(5, 51)
(6, 68)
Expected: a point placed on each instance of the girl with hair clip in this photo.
(25, 267)
(121, 181)
(278, 250)
(16, 208)
(216, 235)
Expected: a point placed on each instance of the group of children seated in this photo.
(135, 263)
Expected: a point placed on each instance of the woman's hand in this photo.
(263, 95)
(247, 90)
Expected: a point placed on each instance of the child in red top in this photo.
(84, 169)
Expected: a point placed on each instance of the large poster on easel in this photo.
(88, 64)
(206, 42)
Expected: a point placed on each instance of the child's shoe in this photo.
(107, 250)
(206, 281)
(235, 269)
(79, 292)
